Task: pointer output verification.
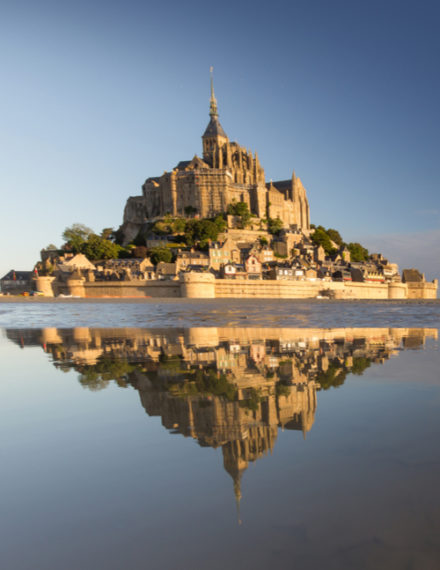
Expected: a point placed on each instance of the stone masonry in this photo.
(204, 187)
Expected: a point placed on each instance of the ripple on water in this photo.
(221, 312)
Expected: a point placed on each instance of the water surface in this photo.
(220, 446)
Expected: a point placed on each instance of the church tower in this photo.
(214, 136)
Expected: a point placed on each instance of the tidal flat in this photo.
(219, 434)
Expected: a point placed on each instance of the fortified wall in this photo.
(206, 286)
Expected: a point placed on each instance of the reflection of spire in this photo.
(237, 493)
(235, 464)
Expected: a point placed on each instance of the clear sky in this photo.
(97, 96)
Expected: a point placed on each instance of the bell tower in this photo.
(214, 136)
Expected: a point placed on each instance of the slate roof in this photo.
(281, 185)
(19, 275)
(412, 276)
(183, 164)
(214, 129)
(166, 268)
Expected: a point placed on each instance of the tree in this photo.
(162, 228)
(274, 226)
(357, 252)
(206, 230)
(201, 231)
(334, 376)
(158, 254)
(97, 247)
(107, 233)
(220, 222)
(75, 235)
(360, 364)
(335, 236)
(179, 225)
(320, 237)
(240, 209)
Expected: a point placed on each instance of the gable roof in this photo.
(78, 261)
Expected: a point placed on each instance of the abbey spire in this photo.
(214, 136)
(213, 112)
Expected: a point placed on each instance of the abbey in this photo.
(204, 187)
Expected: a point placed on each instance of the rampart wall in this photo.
(204, 285)
(234, 288)
(422, 290)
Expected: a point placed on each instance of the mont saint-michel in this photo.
(214, 227)
(228, 173)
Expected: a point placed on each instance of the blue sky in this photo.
(97, 96)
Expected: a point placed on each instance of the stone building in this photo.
(16, 282)
(205, 186)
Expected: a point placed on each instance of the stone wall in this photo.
(269, 289)
(205, 286)
(132, 289)
(422, 290)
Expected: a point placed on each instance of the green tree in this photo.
(358, 252)
(335, 236)
(220, 222)
(201, 231)
(98, 376)
(97, 247)
(179, 225)
(208, 381)
(107, 233)
(240, 209)
(158, 254)
(360, 364)
(75, 235)
(274, 226)
(333, 377)
(320, 237)
(162, 228)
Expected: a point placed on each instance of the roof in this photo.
(192, 255)
(281, 185)
(166, 268)
(19, 275)
(78, 261)
(183, 164)
(214, 129)
(412, 276)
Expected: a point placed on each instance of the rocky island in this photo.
(213, 227)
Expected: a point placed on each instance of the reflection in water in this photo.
(226, 387)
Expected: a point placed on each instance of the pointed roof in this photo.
(214, 127)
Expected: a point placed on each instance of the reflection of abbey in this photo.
(227, 173)
(269, 376)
